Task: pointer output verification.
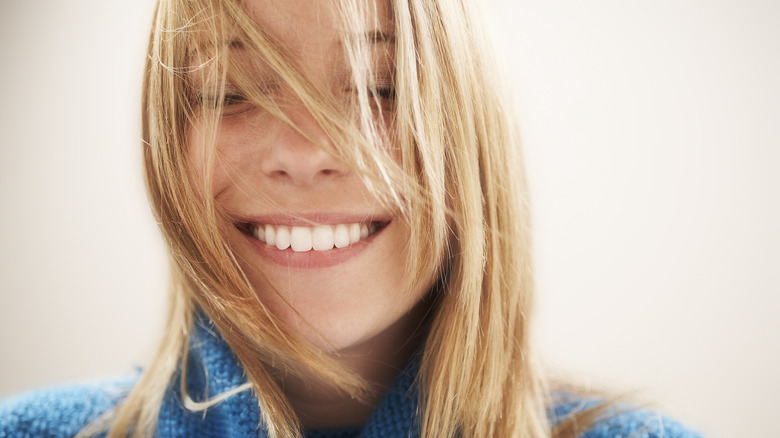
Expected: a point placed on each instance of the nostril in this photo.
(292, 157)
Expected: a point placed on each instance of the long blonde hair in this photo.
(459, 184)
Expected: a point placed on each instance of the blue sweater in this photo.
(63, 411)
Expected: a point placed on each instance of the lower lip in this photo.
(311, 259)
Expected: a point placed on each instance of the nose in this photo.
(293, 158)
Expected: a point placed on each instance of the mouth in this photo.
(321, 238)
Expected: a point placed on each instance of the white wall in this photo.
(652, 136)
(651, 132)
(83, 277)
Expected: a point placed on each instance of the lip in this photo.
(310, 259)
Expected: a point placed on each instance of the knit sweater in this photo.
(213, 369)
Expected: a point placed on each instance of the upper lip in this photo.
(310, 219)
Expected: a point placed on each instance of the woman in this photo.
(341, 192)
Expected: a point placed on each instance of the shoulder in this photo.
(616, 419)
(60, 411)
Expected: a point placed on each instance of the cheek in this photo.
(233, 159)
(196, 156)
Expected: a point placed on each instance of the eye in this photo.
(232, 102)
(235, 103)
(214, 101)
(231, 99)
(387, 93)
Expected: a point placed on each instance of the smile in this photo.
(318, 238)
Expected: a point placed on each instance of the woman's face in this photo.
(339, 283)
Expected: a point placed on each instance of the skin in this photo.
(266, 170)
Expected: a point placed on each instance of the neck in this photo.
(378, 361)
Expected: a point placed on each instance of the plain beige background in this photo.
(652, 138)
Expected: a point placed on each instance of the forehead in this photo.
(306, 25)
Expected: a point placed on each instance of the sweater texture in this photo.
(213, 369)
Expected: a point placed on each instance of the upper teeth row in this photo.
(318, 238)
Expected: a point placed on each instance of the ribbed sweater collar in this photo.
(213, 369)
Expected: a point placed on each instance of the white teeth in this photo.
(300, 239)
(354, 233)
(270, 235)
(260, 234)
(282, 237)
(341, 236)
(322, 238)
(318, 238)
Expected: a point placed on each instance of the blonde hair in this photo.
(459, 184)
